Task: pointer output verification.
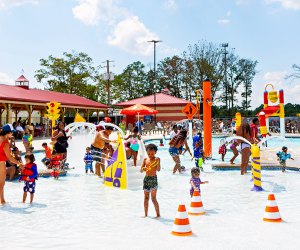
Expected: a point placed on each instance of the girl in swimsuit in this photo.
(134, 144)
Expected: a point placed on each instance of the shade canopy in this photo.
(138, 109)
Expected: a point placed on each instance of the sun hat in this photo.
(8, 128)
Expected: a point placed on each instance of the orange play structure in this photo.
(207, 123)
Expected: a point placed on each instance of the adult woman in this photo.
(176, 143)
(5, 154)
(60, 140)
(245, 132)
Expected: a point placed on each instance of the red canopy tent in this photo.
(138, 109)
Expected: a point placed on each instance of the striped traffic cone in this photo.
(181, 225)
(196, 206)
(272, 212)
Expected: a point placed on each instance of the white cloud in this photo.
(92, 12)
(131, 35)
(5, 4)
(6, 79)
(223, 21)
(287, 4)
(240, 2)
(170, 5)
(128, 32)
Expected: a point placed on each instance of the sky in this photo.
(118, 30)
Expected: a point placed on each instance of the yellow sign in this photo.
(115, 174)
(189, 110)
(79, 118)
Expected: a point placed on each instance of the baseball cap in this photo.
(8, 128)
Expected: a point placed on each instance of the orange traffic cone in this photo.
(272, 212)
(181, 225)
(196, 206)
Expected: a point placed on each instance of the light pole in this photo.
(154, 79)
(225, 46)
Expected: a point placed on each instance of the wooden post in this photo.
(29, 109)
(1, 112)
(16, 111)
(63, 112)
(87, 115)
(7, 107)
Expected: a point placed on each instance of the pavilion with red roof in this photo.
(168, 107)
(20, 97)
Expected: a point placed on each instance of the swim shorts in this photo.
(173, 151)
(89, 166)
(96, 153)
(29, 187)
(150, 183)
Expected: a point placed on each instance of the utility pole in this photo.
(154, 79)
(225, 46)
(108, 76)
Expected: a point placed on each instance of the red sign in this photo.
(189, 110)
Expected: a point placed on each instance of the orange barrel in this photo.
(207, 123)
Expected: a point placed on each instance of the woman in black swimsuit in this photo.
(60, 140)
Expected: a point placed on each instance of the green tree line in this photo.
(231, 77)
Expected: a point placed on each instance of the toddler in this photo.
(29, 174)
(283, 156)
(195, 180)
(88, 160)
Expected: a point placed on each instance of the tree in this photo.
(171, 69)
(73, 73)
(296, 73)
(247, 75)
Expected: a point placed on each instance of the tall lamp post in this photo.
(154, 79)
(225, 46)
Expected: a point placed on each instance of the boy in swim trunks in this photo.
(100, 142)
(150, 165)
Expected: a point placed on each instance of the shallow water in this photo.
(78, 212)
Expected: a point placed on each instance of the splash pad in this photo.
(119, 172)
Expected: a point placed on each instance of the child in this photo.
(46, 159)
(27, 140)
(55, 163)
(195, 180)
(128, 151)
(233, 145)
(282, 157)
(29, 175)
(222, 148)
(134, 143)
(88, 160)
(198, 155)
(161, 143)
(151, 165)
(13, 169)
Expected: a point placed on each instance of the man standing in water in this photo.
(100, 143)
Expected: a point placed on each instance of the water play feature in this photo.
(119, 172)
